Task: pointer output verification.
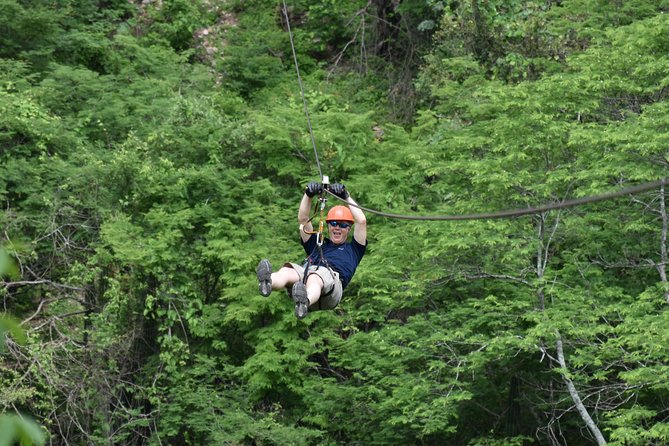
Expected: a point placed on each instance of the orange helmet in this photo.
(340, 213)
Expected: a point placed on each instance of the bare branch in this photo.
(41, 282)
(48, 301)
(580, 407)
(498, 277)
(663, 244)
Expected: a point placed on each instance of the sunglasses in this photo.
(339, 224)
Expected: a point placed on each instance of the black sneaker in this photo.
(264, 272)
(301, 301)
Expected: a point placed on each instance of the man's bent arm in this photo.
(360, 228)
(303, 217)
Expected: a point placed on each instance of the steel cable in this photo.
(299, 80)
(520, 212)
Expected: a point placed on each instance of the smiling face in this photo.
(339, 231)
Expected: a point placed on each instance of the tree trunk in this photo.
(387, 25)
(580, 407)
(662, 265)
(482, 38)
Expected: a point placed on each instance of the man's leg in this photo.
(314, 288)
(268, 281)
(264, 274)
(304, 296)
(286, 276)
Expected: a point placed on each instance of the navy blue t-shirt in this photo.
(342, 258)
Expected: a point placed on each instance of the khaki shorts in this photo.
(332, 289)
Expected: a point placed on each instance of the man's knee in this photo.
(315, 280)
(285, 275)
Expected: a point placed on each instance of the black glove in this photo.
(339, 190)
(313, 189)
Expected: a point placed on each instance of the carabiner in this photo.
(319, 234)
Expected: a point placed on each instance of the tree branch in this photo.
(663, 245)
(40, 282)
(498, 277)
(580, 407)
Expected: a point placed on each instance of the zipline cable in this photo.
(520, 212)
(299, 80)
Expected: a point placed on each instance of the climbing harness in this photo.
(309, 261)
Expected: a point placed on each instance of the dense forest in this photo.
(154, 151)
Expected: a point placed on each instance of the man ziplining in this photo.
(330, 263)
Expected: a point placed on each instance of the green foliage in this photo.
(14, 427)
(144, 175)
(175, 22)
(23, 430)
(324, 24)
(9, 326)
